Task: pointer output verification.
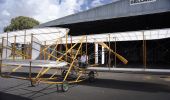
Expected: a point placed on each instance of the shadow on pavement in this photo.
(6, 96)
(24, 74)
(128, 85)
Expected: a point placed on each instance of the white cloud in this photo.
(50, 10)
(42, 10)
(96, 3)
(5, 13)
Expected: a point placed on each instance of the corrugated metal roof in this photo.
(121, 8)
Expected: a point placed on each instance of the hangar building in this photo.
(126, 16)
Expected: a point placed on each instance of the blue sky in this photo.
(44, 10)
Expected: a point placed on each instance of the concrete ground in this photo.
(108, 86)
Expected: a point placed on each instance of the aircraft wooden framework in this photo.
(29, 50)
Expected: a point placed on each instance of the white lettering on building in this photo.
(134, 2)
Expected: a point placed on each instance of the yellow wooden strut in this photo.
(118, 56)
(72, 62)
(13, 70)
(47, 59)
(68, 52)
(44, 51)
(80, 74)
(60, 57)
(18, 52)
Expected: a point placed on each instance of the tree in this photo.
(20, 23)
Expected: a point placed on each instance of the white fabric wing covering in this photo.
(6, 52)
(42, 34)
(122, 36)
(36, 46)
(36, 63)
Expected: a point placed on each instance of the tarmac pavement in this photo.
(108, 86)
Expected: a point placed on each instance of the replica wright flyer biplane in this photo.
(38, 55)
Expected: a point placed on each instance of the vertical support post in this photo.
(61, 47)
(1, 56)
(86, 49)
(45, 50)
(81, 51)
(40, 53)
(109, 52)
(31, 46)
(24, 44)
(71, 46)
(103, 55)
(57, 43)
(96, 53)
(144, 51)
(14, 47)
(30, 74)
(115, 52)
(145, 55)
(106, 55)
(7, 43)
(30, 68)
(66, 45)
